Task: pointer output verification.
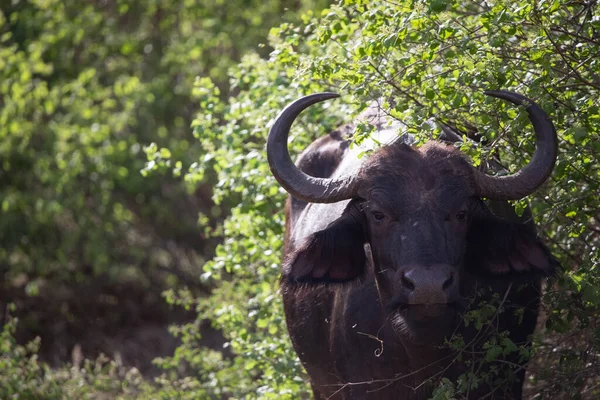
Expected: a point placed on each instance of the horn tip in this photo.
(514, 98)
(329, 95)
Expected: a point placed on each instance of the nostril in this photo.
(407, 283)
(448, 282)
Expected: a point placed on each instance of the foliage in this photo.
(419, 60)
(245, 303)
(22, 376)
(84, 86)
(88, 243)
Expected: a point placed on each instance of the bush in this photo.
(83, 87)
(419, 60)
(92, 93)
(23, 376)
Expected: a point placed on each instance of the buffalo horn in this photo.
(296, 182)
(533, 175)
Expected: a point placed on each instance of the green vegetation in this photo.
(75, 115)
(88, 243)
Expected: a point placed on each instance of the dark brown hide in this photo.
(372, 286)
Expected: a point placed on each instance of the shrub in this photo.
(89, 243)
(419, 60)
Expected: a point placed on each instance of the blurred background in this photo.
(88, 242)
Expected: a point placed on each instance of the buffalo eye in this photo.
(461, 215)
(378, 215)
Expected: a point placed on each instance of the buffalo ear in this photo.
(334, 254)
(500, 248)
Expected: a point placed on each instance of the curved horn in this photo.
(534, 174)
(296, 182)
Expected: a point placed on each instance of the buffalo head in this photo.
(417, 216)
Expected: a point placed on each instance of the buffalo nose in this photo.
(435, 284)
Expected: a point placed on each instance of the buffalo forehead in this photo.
(402, 194)
(404, 177)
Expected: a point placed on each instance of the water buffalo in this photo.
(385, 254)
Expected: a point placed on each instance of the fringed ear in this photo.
(335, 254)
(500, 248)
